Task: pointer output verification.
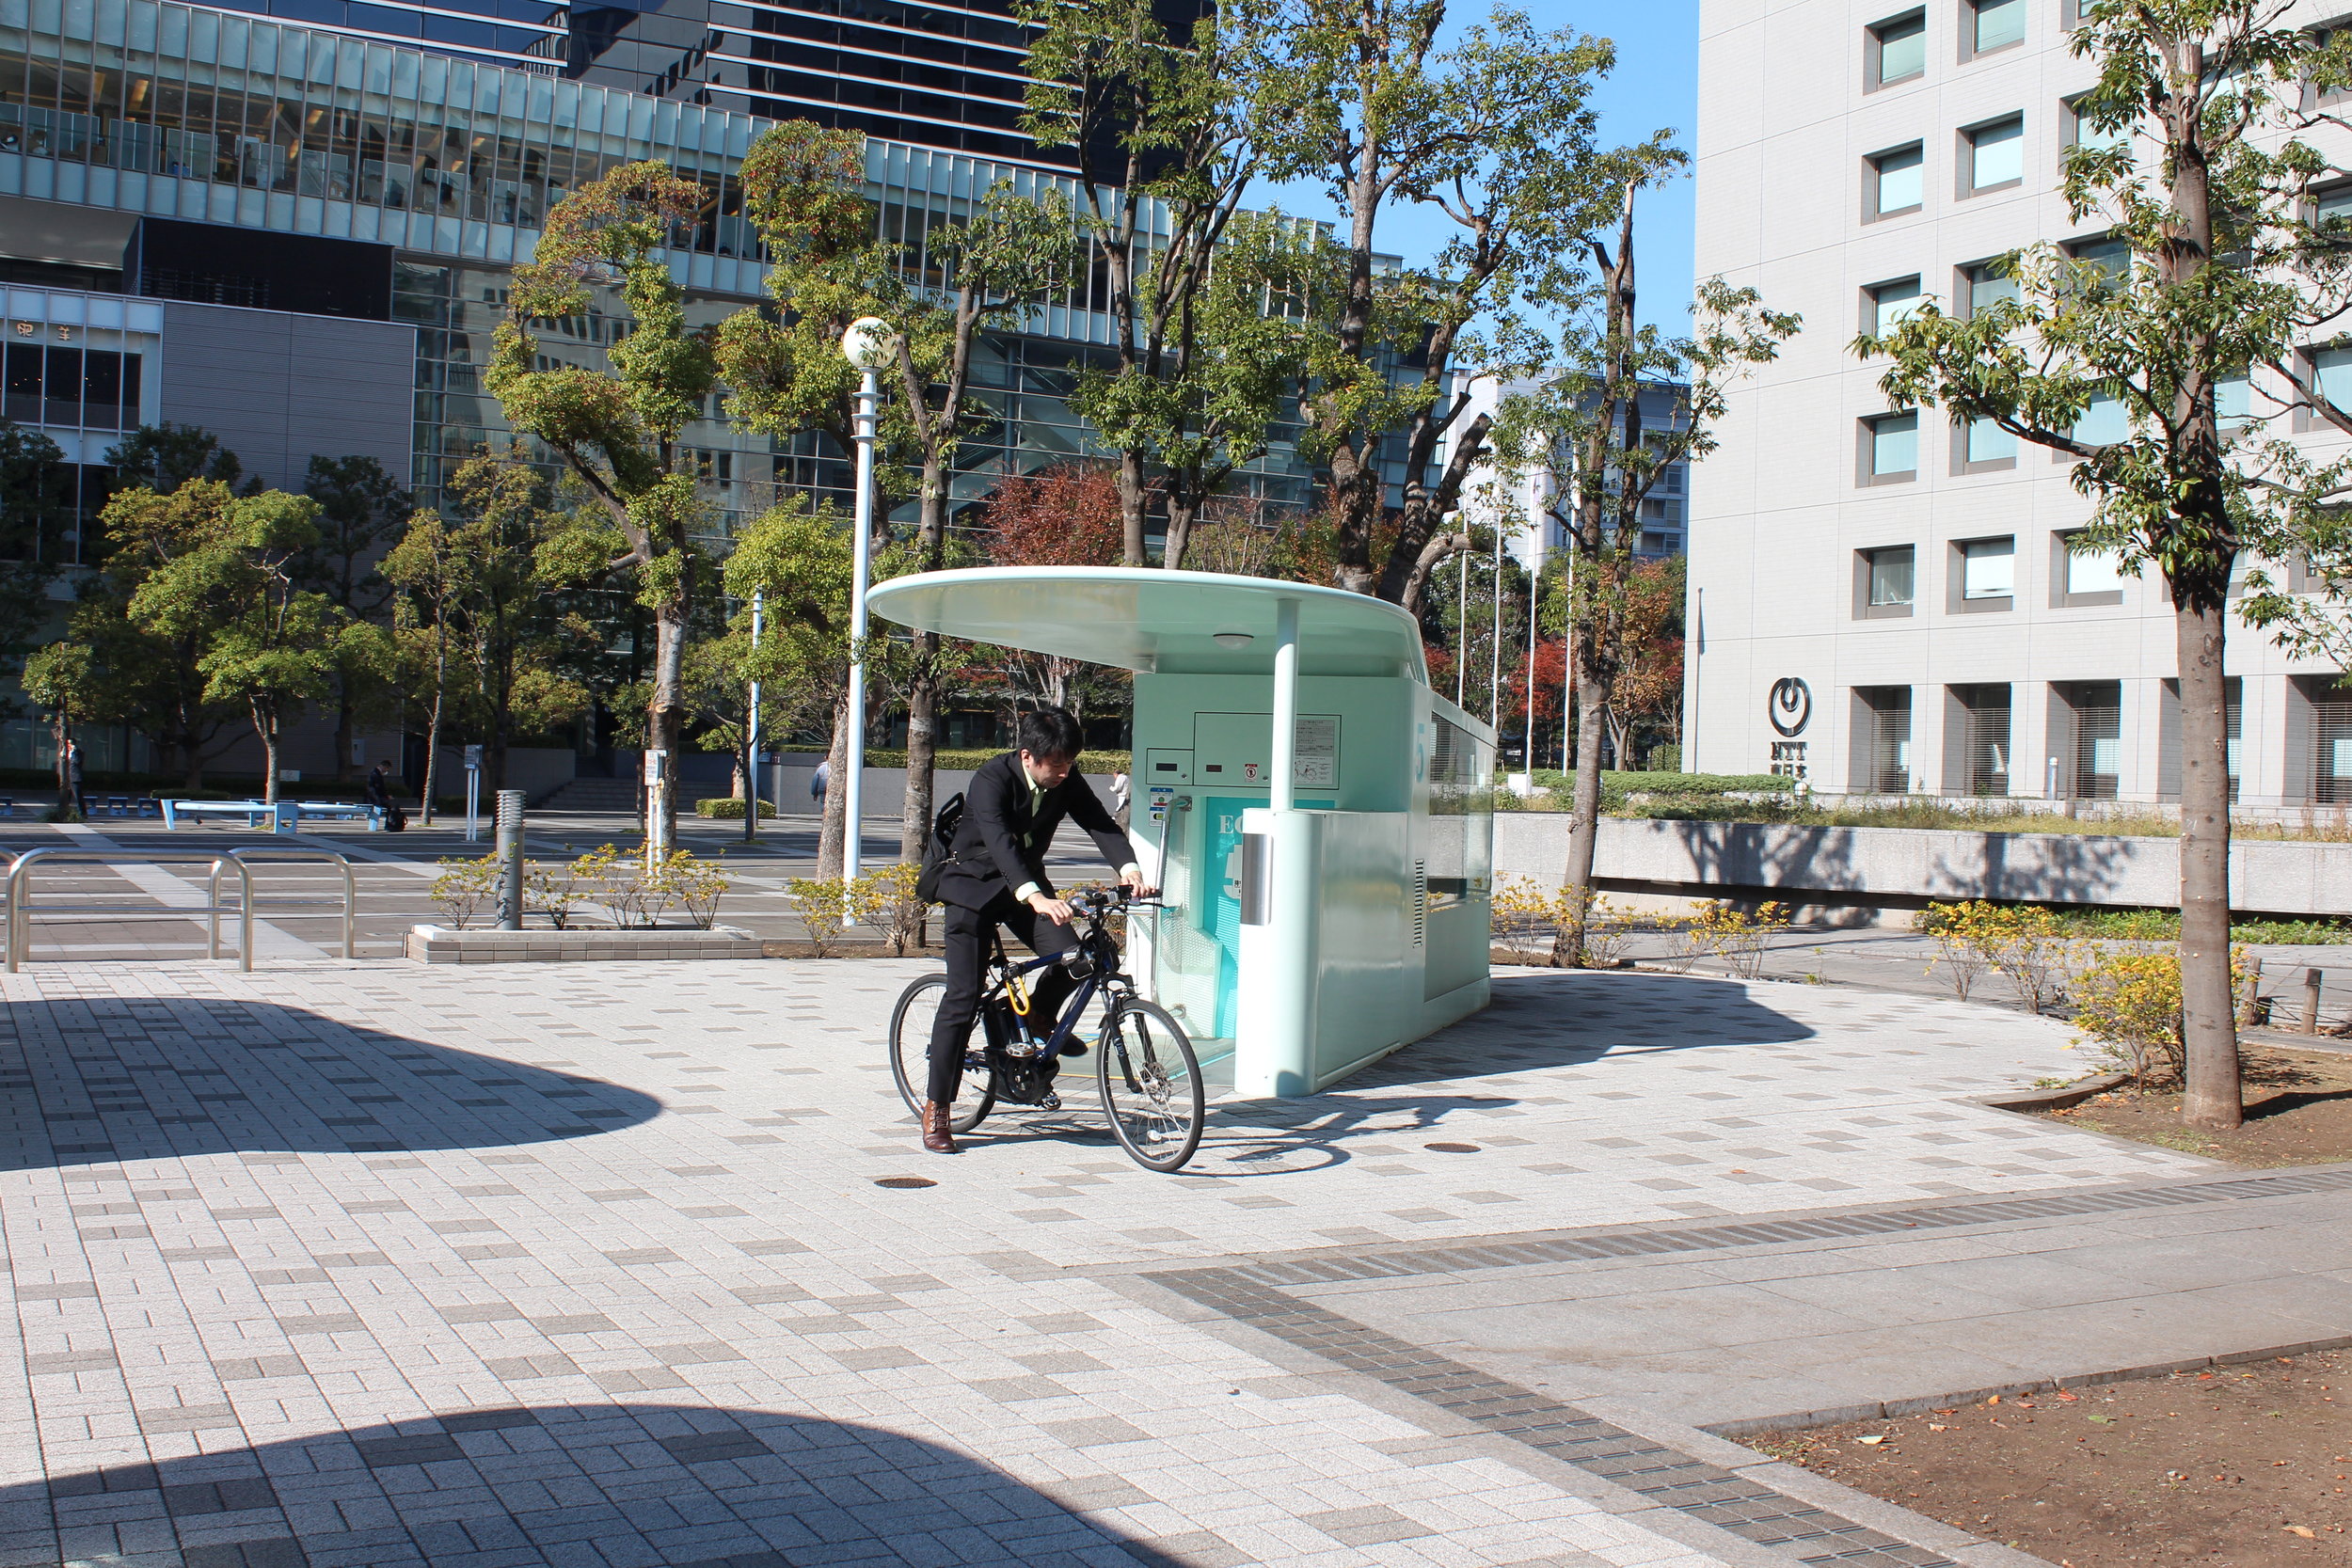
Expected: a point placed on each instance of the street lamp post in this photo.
(868, 344)
(751, 734)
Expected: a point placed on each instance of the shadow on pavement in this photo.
(566, 1486)
(96, 1080)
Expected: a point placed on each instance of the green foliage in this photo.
(62, 678)
(824, 903)
(162, 457)
(2127, 1000)
(2021, 941)
(464, 888)
(1665, 759)
(884, 900)
(719, 808)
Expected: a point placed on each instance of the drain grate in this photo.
(1572, 1249)
(1452, 1148)
(906, 1181)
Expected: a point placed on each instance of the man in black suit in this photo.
(996, 877)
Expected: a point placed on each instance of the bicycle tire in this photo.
(1151, 1085)
(910, 1051)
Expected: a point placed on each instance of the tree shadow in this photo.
(565, 1485)
(143, 1077)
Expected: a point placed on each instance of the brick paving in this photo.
(377, 1264)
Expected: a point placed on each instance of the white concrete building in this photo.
(1887, 604)
(1522, 504)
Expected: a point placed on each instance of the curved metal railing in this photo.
(19, 908)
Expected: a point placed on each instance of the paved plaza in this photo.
(372, 1264)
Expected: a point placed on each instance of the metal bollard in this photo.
(2250, 1011)
(510, 853)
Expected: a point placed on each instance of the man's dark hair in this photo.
(1050, 732)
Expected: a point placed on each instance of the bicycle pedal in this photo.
(1049, 1103)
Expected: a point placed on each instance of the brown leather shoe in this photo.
(937, 1136)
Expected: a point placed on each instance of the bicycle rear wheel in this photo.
(1150, 1084)
(909, 1055)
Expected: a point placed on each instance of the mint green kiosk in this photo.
(1317, 818)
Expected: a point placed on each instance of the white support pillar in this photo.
(1280, 791)
(868, 414)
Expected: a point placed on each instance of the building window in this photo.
(1897, 181)
(2081, 131)
(1983, 575)
(1985, 447)
(1898, 50)
(2087, 737)
(2168, 737)
(2103, 423)
(1985, 284)
(2331, 209)
(1889, 304)
(2082, 576)
(1882, 582)
(81, 388)
(2330, 721)
(2332, 372)
(2233, 401)
(1882, 735)
(1990, 24)
(1983, 756)
(2109, 257)
(1890, 449)
(1995, 155)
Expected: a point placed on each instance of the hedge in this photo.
(723, 808)
(1617, 785)
(1105, 763)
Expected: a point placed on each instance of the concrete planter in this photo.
(1859, 875)
(444, 944)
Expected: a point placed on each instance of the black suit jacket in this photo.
(1000, 844)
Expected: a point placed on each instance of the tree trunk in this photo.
(831, 839)
(432, 753)
(1567, 950)
(265, 725)
(60, 733)
(1133, 501)
(1181, 513)
(915, 818)
(2214, 1098)
(665, 724)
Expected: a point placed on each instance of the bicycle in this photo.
(1144, 1066)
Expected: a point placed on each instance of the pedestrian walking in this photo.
(819, 780)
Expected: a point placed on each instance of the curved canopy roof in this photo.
(1163, 623)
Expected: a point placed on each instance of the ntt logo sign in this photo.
(1790, 705)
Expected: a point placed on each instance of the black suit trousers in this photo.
(967, 960)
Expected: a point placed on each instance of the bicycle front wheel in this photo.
(910, 1055)
(1152, 1088)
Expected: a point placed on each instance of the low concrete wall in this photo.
(533, 769)
(1861, 875)
(886, 788)
(443, 944)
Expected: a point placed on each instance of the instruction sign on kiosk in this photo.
(1317, 817)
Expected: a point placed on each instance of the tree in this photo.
(1649, 671)
(62, 678)
(232, 587)
(35, 528)
(1000, 260)
(428, 567)
(359, 507)
(150, 676)
(1066, 515)
(162, 457)
(1160, 129)
(1592, 420)
(2201, 170)
(617, 434)
(1496, 135)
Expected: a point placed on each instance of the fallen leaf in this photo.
(1933, 1426)
(2303, 1531)
(2103, 1421)
(1995, 1400)
(2069, 1398)
(1880, 1438)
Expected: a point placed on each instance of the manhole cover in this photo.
(1452, 1148)
(906, 1181)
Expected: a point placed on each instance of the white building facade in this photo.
(1883, 603)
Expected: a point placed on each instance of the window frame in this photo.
(2061, 597)
(1963, 465)
(1874, 45)
(1970, 11)
(1864, 564)
(1965, 177)
(1875, 178)
(2307, 421)
(1956, 599)
(1866, 452)
(1964, 285)
(1870, 298)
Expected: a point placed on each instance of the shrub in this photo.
(1736, 936)
(823, 904)
(465, 886)
(885, 901)
(2127, 1000)
(629, 897)
(554, 894)
(694, 883)
(722, 808)
(2021, 941)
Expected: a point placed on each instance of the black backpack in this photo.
(940, 848)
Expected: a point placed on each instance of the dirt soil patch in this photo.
(2298, 1111)
(2244, 1465)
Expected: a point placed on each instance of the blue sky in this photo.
(1654, 86)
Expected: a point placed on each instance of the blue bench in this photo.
(343, 809)
(282, 817)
